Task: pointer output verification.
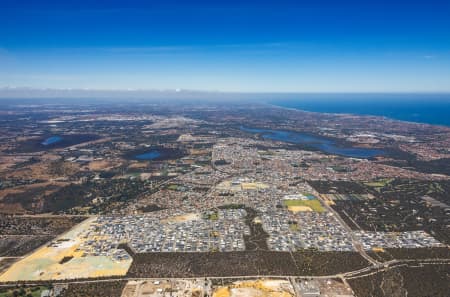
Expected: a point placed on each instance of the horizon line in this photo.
(183, 90)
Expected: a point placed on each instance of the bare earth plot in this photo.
(47, 262)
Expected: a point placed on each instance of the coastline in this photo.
(443, 122)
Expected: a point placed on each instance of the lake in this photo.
(317, 142)
(150, 155)
(52, 140)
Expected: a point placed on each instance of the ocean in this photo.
(421, 108)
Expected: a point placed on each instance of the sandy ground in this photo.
(138, 165)
(183, 218)
(228, 186)
(258, 288)
(299, 208)
(21, 189)
(164, 288)
(44, 263)
(101, 165)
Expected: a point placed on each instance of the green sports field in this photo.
(314, 204)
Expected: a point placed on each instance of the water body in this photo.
(52, 140)
(317, 142)
(421, 108)
(150, 155)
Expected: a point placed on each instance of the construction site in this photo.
(64, 258)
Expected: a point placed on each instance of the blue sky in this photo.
(251, 46)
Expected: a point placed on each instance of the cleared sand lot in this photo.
(241, 185)
(256, 288)
(47, 262)
(165, 288)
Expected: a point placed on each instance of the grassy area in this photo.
(172, 187)
(313, 204)
(25, 292)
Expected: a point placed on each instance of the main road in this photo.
(356, 243)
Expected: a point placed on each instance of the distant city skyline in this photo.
(228, 46)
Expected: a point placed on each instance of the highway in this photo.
(372, 269)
